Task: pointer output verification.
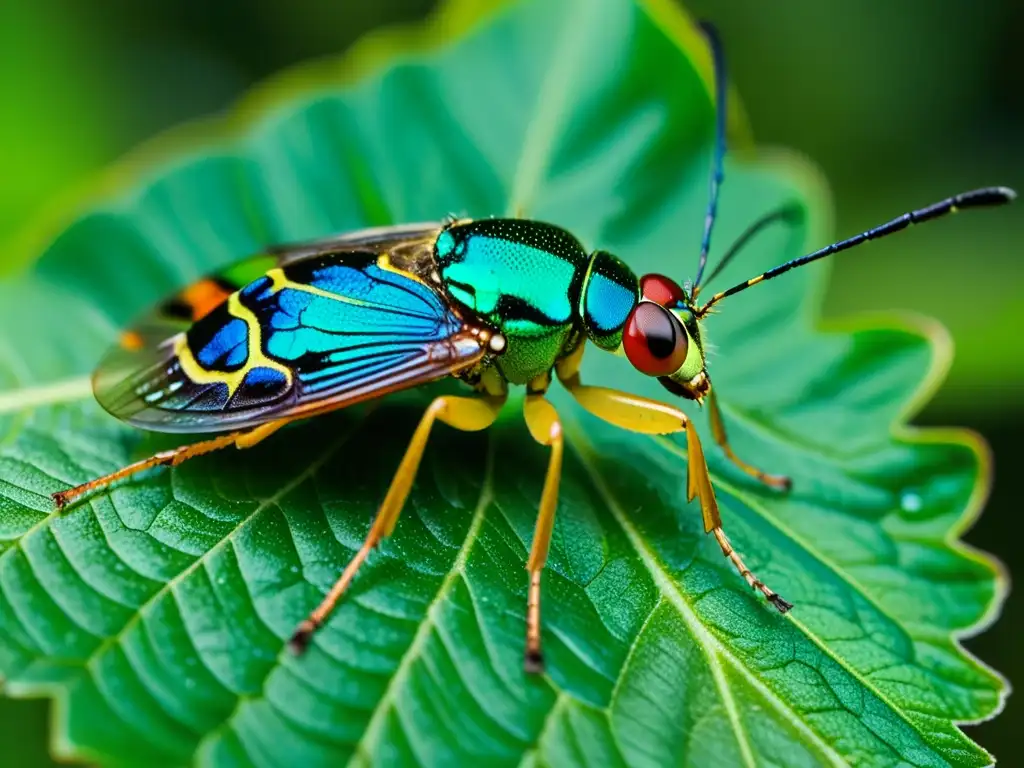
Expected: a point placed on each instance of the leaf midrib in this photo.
(542, 130)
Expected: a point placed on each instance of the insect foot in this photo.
(299, 641)
(782, 605)
(770, 595)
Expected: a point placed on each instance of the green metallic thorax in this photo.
(536, 284)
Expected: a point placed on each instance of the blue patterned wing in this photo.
(319, 331)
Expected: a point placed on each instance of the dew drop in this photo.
(911, 502)
(190, 683)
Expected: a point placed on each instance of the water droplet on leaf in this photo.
(911, 502)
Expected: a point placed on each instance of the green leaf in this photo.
(155, 614)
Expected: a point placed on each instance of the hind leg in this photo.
(171, 458)
(468, 414)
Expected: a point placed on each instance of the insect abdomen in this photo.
(522, 276)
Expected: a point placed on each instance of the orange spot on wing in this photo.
(132, 341)
(203, 297)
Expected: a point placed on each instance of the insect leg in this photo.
(638, 414)
(546, 429)
(172, 458)
(779, 482)
(468, 414)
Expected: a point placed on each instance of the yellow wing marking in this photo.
(280, 281)
(384, 262)
(257, 358)
(233, 379)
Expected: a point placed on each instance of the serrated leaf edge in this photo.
(459, 15)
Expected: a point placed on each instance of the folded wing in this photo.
(310, 331)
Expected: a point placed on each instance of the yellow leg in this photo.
(779, 482)
(542, 421)
(172, 458)
(468, 414)
(638, 414)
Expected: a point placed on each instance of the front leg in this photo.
(779, 482)
(649, 417)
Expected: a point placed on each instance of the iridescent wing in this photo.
(300, 330)
(194, 302)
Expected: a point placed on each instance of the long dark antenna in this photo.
(718, 161)
(977, 198)
(790, 214)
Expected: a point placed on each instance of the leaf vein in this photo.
(171, 585)
(708, 642)
(854, 585)
(362, 750)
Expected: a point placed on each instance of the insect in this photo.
(305, 329)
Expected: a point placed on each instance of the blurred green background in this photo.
(899, 103)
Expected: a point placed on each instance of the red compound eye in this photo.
(654, 341)
(661, 290)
